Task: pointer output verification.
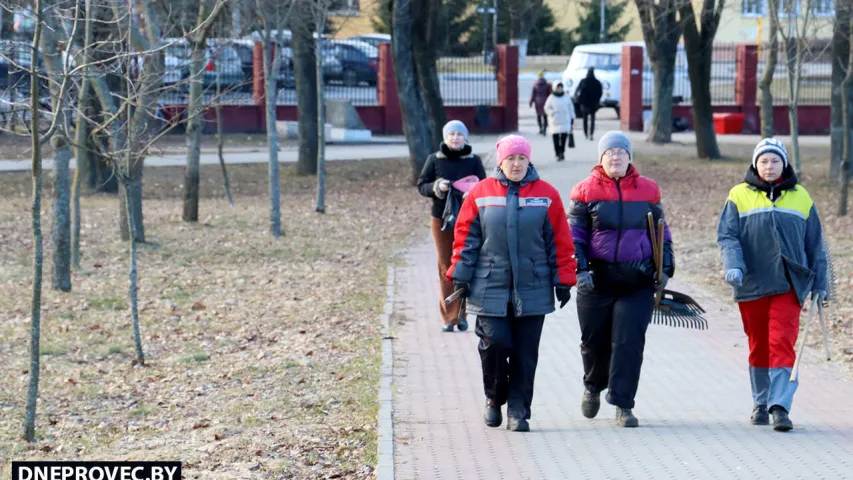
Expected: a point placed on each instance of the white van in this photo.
(607, 60)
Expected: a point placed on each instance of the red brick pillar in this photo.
(508, 84)
(258, 89)
(631, 104)
(386, 92)
(746, 86)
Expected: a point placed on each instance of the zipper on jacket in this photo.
(621, 221)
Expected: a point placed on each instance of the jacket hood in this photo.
(589, 73)
(531, 176)
(789, 182)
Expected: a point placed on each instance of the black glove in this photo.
(564, 294)
(464, 286)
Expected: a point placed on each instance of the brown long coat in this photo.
(539, 94)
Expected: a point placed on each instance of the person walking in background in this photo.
(588, 97)
(451, 162)
(771, 242)
(616, 286)
(561, 115)
(512, 253)
(539, 94)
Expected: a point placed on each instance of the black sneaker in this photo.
(781, 422)
(760, 415)
(447, 328)
(492, 414)
(517, 425)
(590, 404)
(624, 418)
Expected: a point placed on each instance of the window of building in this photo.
(753, 8)
(823, 8)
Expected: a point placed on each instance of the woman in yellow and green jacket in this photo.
(772, 247)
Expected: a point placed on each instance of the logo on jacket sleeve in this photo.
(543, 202)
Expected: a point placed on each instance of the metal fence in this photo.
(815, 79)
(468, 80)
(723, 71)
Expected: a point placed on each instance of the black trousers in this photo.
(613, 336)
(560, 143)
(509, 352)
(588, 131)
(542, 121)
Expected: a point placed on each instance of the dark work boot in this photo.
(517, 424)
(463, 323)
(759, 415)
(590, 404)
(781, 422)
(624, 418)
(447, 328)
(492, 414)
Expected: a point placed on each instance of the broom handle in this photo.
(659, 293)
(654, 242)
(796, 370)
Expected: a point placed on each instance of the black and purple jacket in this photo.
(610, 229)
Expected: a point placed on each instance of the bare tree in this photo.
(408, 73)
(766, 82)
(840, 54)
(523, 15)
(319, 21)
(425, 44)
(81, 152)
(304, 69)
(798, 35)
(699, 36)
(208, 11)
(661, 30)
(847, 113)
(35, 311)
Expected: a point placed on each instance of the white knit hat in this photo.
(770, 145)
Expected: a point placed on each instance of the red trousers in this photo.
(772, 324)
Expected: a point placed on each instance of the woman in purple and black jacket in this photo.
(615, 281)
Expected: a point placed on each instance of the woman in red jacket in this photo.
(512, 253)
(608, 215)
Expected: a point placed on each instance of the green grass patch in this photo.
(141, 411)
(115, 350)
(108, 303)
(195, 357)
(52, 351)
(65, 315)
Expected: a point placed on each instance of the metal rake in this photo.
(679, 310)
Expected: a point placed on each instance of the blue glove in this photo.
(820, 295)
(584, 282)
(734, 277)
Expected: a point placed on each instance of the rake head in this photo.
(679, 310)
(832, 278)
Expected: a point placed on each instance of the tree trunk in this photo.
(132, 277)
(61, 214)
(198, 43)
(35, 306)
(416, 125)
(847, 114)
(270, 93)
(840, 54)
(220, 145)
(321, 120)
(660, 129)
(194, 108)
(306, 86)
(81, 136)
(793, 63)
(766, 82)
(133, 192)
(699, 48)
(424, 48)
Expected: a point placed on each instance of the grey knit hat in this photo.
(454, 126)
(770, 145)
(614, 139)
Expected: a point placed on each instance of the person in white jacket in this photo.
(561, 115)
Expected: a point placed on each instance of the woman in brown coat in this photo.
(540, 93)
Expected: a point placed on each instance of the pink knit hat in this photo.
(512, 145)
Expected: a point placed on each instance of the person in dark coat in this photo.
(771, 242)
(616, 287)
(538, 96)
(451, 162)
(512, 253)
(588, 96)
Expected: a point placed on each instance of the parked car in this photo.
(606, 58)
(372, 38)
(359, 61)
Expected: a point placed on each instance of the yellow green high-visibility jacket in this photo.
(773, 234)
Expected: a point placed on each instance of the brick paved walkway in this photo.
(694, 400)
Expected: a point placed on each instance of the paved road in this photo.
(694, 400)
